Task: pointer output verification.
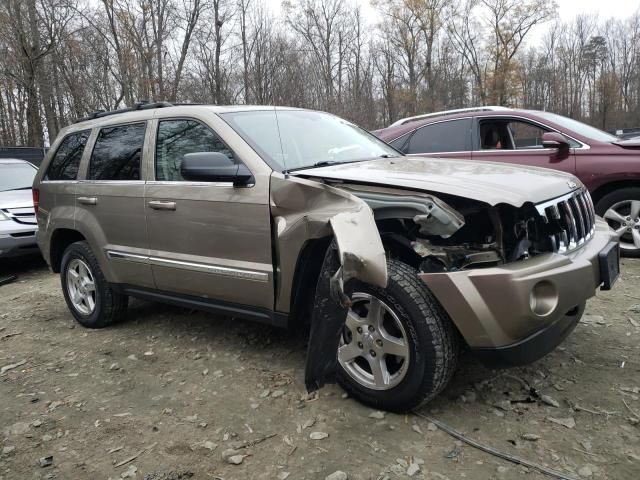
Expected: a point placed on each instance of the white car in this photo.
(17, 217)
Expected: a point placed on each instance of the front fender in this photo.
(303, 210)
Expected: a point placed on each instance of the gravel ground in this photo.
(177, 394)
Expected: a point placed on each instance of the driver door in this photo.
(206, 239)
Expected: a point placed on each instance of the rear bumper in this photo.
(516, 313)
(17, 241)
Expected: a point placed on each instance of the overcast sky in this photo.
(604, 9)
(567, 10)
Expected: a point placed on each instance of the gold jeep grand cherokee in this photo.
(291, 216)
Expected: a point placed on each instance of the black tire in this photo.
(610, 199)
(434, 343)
(109, 305)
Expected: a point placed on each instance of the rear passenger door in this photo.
(446, 139)
(110, 203)
(61, 178)
(207, 239)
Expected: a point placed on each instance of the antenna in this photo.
(284, 163)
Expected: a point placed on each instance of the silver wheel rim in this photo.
(624, 218)
(374, 349)
(81, 286)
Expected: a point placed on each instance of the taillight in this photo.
(36, 199)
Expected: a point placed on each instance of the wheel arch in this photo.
(309, 265)
(600, 192)
(61, 238)
(305, 279)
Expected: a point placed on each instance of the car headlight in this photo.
(3, 216)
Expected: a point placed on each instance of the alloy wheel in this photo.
(81, 286)
(374, 349)
(624, 218)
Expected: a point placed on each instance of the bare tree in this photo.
(60, 59)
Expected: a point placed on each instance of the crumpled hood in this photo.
(489, 182)
(16, 199)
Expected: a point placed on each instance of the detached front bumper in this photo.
(515, 314)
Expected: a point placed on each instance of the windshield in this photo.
(295, 139)
(579, 127)
(16, 176)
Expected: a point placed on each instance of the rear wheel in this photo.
(621, 210)
(90, 298)
(399, 348)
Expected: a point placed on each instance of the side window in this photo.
(526, 135)
(450, 136)
(66, 161)
(179, 137)
(495, 135)
(117, 152)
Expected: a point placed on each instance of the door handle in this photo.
(88, 200)
(158, 205)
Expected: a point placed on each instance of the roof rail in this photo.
(490, 108)
(142, 105)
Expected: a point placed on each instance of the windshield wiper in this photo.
(326, 163)
(323, 163)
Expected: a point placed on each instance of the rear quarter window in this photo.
(65, 162)
(117, 153)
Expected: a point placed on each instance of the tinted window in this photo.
(452, 136)
(401, 142)
(116, 155)
(178, 137)
(66, 161)
(16, 176)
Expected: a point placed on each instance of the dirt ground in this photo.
(166, 393)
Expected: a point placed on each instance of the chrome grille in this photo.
(572, 220)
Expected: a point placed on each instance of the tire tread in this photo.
(112, 304)
(441, 329)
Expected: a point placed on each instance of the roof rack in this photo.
(142, 105)
(490, 108)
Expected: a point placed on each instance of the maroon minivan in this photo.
(608, 166)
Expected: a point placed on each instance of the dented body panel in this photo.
(305, 210)
(497, 307)
(488, 182)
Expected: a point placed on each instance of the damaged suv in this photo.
(297, 217)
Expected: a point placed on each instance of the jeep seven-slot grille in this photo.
(571, 220)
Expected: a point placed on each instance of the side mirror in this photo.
(214, 167)
(554, 140)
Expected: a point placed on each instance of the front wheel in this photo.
(399, 348)
(621, 210)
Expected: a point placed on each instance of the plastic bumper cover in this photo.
(516, 313)
(15, 241)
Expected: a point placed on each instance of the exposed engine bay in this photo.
(449, 233)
